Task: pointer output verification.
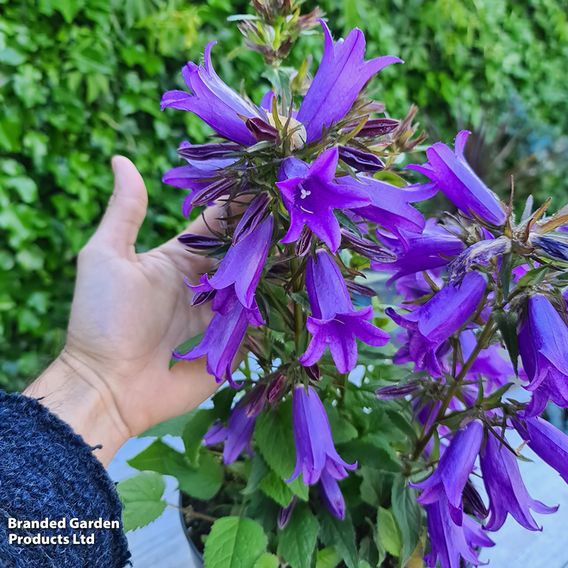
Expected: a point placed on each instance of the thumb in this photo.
(126, 208)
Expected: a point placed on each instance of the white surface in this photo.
(160, 544)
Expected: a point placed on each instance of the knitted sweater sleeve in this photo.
(48, 475)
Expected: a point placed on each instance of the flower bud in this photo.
(285, 513)
(276, 389)
(397, 391)
(360, 160)
(252, 217)
(207, 151)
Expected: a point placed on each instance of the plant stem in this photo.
(482, 342)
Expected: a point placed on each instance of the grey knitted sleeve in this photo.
(57, 503)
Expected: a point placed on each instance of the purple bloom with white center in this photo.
(311, 194)
(451, 542)
(315, 451)
(543, 346)
(213, 101)
(505, 488)
(237, 434)
(547, 442)
(454, 177)
(242, 266)
(439, 318)
(416, 252)
(453, 471)
(224, 335)
(334, 322)
(341, 75)
(389, 206)
(332, 496)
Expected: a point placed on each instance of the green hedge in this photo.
(80, 80)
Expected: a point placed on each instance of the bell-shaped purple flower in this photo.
(458, 182)
(505, 488)
(547, 442)
(224, 335)
(315, 451)
(439, 318)
(213, 101)
(452, 473)
(543, 346)
(242, 266)
(390, 205)
(432, 248)
(334, 322)
(451, 542)
(332, 496)
(240, 426)
(341, 75)
(311, 194)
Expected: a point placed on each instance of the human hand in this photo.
(129, 312)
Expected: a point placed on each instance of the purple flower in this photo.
(342, 73)
(543, 346)
(360, 160)
(315, 452)
(505, 488)
(242, 265)
(332, 496)
(310, 194)
(224, 335)
(451, 542)
(416, 252)
(454, 177)
(390, 205)
(547, 442)
(453, 471)
(213, 101)
(238, 432)
(439, 318)
(334, 322)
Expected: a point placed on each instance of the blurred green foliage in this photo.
(80, 80)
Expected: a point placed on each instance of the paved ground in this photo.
(163, 545)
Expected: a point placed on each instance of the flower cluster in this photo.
(477, 284)
(299, 180)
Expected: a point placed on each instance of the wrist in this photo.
(79, 396)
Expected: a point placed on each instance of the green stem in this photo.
(482, 342)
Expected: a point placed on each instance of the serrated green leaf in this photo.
(234, 542)
(257, 472)
(267, 560)
(327, 558)
(141, 498)
(193, 432)
(298, 540)
(388, 533)
(407, 515)
(340, 535)
(342, 430)
(273, 434)
(172, 427)
(202, 482)
(273, 486)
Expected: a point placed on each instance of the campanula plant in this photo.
(348, 431)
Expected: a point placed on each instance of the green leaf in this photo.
(298, 540)
(327, 558)
(342, 430)
(273, 486)
(388, 534)
(172, 427)
(234, 542)
(258, 470)
(371, 450)
(273, 434)
(202, 482)
(507, 324)
(267, 560)
(340, 535)
(193, 432)
(141, 498)
(407, 515)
